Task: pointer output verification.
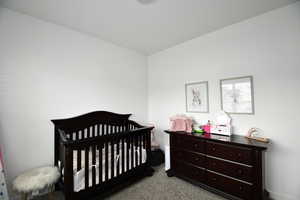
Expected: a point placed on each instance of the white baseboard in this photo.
(278, 196)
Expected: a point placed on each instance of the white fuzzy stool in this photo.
(36, 181)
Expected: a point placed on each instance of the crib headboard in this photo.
(89, 119)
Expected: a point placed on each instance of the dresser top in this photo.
(233, 139)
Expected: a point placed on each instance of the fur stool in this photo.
(36, 182)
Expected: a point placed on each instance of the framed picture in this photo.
(197, 97)
(237, 95)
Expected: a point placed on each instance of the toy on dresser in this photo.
(223, 124)
(181, 123)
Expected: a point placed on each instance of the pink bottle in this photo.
(207, 127)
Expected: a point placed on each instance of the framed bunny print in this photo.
(196, 95)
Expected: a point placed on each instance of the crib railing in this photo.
(97, 147)
(92, 131)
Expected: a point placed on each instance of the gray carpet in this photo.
(159, 187)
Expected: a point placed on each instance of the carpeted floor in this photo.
(158, 187)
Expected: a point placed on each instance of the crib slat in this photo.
(148, 146)
(102, 129)
(98, 130)
(144, 140)
(94, 165)
(78, 160)
(77, 135)
(123, 156)
(86, 162)
(136, 141)
(106, 160)
(100, 163)
(94, 129)
(88, 132)
(81, 134)
(140, 145)
(112, 159)
(79, 154)
(127, 152)
(118, 154)
(132, 151)
(112, 152)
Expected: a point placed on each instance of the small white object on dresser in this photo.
(223, 124)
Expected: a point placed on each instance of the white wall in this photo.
(47, 72)
(266, 47)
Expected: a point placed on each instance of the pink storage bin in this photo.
(181, 123)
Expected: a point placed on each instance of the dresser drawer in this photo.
(193, 158)
(189, 143)
(188, 171)
(230, 186)
(230, 169)
(230, 152)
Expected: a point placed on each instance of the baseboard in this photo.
(278, 196)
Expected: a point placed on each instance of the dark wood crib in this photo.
(100, 152)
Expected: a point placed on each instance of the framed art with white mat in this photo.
(196, 95)
(237, 95)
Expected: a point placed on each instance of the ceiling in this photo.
(145, 27)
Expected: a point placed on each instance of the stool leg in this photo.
(51, 193)
(51, 196)
(25, 196)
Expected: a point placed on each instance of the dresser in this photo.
(232, 167)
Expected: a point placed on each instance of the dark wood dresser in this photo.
(232, 167)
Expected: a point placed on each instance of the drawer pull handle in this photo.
(239, 155)
(214, 179)
(213, 149)
(196, 145)
(241, 188)
(197, 159)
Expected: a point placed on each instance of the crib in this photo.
(100, 152)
